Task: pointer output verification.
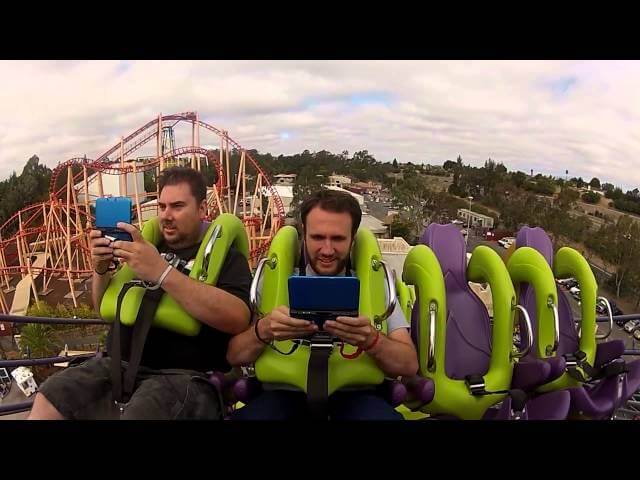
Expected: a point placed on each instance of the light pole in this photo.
(468, 220)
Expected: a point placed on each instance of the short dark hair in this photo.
(333, 201)
(177, 175)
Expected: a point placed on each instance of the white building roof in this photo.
(284, 191)
(360, 198)
(372, 223)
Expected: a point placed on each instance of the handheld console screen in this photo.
(323, 298)
(110, 211)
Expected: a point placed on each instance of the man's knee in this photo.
(43, 409)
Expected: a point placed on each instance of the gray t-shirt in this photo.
(396, 319)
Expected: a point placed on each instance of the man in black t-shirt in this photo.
(171, 381)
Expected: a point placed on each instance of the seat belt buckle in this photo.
(120, 406)
(571, 361)
(516, 414)
(475, 384)
(321, 340)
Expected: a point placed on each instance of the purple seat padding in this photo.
(420, 389)
(468, 335)
(217, 379)
(631, 382)
(394, 392)
(246, 388)
(607, 352)
(530, 374)
(596, 401)
(549, 406)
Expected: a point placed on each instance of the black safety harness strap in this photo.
(318, 375)
(321, 346)
(476, 385)
(578, 361)
(146, 313)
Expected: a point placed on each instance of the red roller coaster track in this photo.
(56, 227)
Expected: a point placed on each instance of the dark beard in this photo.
(340, 266)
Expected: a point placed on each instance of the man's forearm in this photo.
(393, 357)
(244, 349)
(210, 305)
(99, 284)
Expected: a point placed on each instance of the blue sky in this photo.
(543, 115)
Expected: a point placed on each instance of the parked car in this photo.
(575, 293)
(506, 242)
(497, 233)
(636, 334)
(631, 326)
(571, 284)
(602, 310)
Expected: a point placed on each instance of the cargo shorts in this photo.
(84, 392)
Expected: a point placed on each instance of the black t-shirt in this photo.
(206, 351)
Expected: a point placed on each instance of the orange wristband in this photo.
(375, 341)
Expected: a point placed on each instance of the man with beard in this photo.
(330, 220)
(170, 381)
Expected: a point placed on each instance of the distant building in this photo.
(397, 245)
(376, 227)
(285, 192)
(365, 188)
(285, 178)
(589, 189)
(357, 196)
(338, 181)
(394, 251)
(474, 218)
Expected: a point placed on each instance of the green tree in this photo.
(606, 187)
(449, 165)
(31, 186)
(38, 339)
(567, 197)
(500, 168)
(591, 197)
(150, 181)
(595, 183)
(401, 228)
(619, 244)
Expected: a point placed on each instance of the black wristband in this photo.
(255, 328)
(99, 273)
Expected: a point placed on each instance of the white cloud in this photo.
(545, 115)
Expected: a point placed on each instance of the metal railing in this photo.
(26, 362)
